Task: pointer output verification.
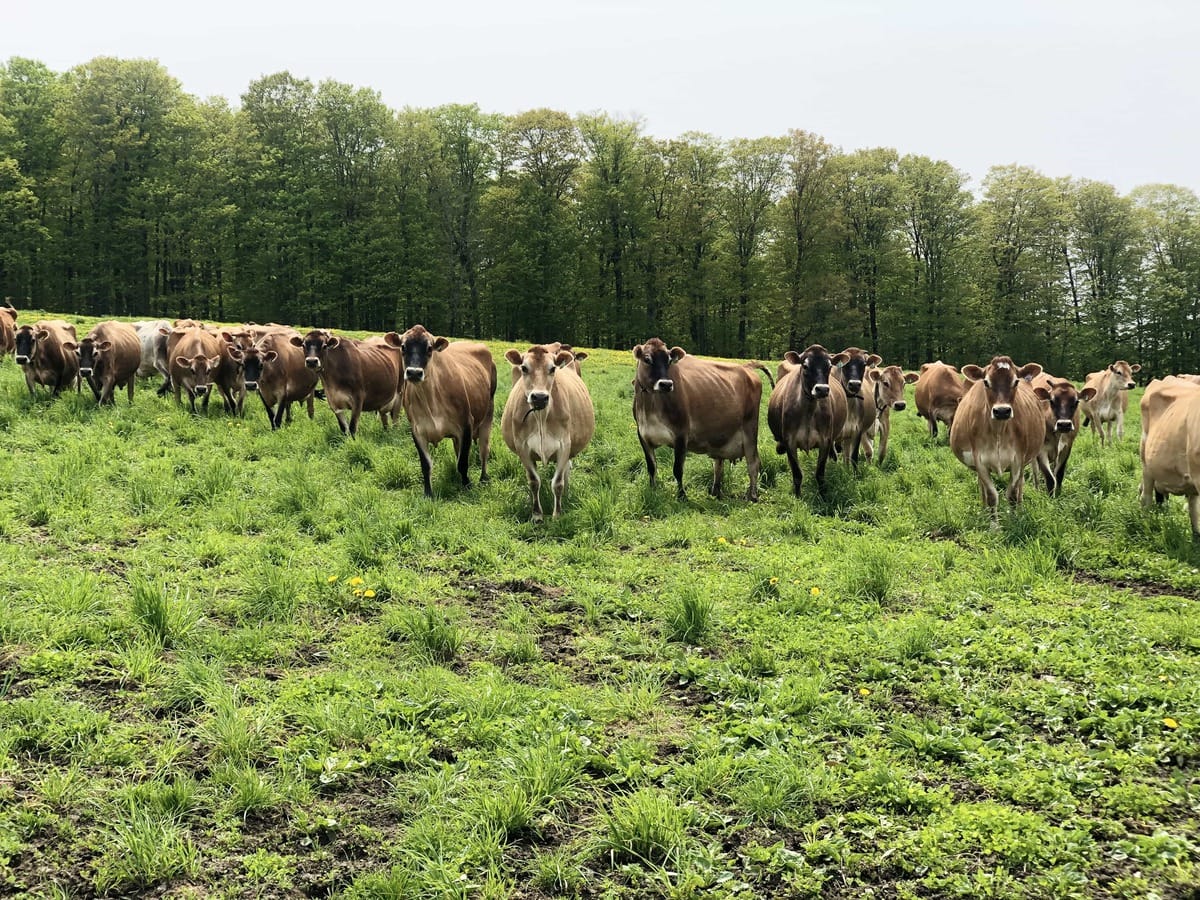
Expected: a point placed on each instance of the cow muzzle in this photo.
(85, 372)
(539, 399)
(1064, 425)
(312, 362)
(854, 386)
(201, 390)
(252, 386)
(1130, 385)
(899, 405)
(414, 373)
(664, 385)
(22, 360)
(1001, 411)
(820, 391)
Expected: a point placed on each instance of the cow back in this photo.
(126, 355)
(975, 432)
(715, 399)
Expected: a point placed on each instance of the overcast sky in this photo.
(1093, 89)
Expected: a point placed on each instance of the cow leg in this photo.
(988, 490)
(535, 488)
(1193, 503)
(207, 397)
(311, 407)
(426, 463)
(341, 420)
(485, 448)
(651, 462)
(797, 475)
(562, 473)
(1120, 425)
(270, 412)
(680, 456)
(823, 454)
(129, 388)
(932, 422)
(718, 478)
(464, 455)
(885, 427)
(1042, 465)
(165, 387)
(753, 465)
(355, 413)
(286, 416)
(1016, 483)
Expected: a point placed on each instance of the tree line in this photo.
(121, 194)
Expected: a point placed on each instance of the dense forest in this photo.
(122, 194)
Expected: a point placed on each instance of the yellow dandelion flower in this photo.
(358, 593)
(773, 581)
(368, 593)
(815, 591)
(331, 579)
(864, 692)
(355, 581)
(1170, 723)
(722, 540)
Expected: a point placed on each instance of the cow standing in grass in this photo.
(548, 417)
(1060, 401)
(8, 330)
(851, 373)
(109, 357)
(807, 409)
(939, 391)
(273, 367)
(448, 391)
(1112, 386)
(46, 351)
(1170, 447)
(195, 361)
(359, 376)
(152, 337)
(696, 406)
(886, 388)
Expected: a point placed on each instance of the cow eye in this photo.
(524, 369)
(551, 370)
(987, 383)
(887, 383)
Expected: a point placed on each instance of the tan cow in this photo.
(860, 411)
(109, 358)
(1170, 448)
(273, 368)
(1060, 411)
(46, 351)
(1112, 387)
(359, 376)
(580, 355)
(548, 416)
(807, 409)
(886, 387)
(999, 426)
(448, 391)
(8, 329)
(939, 391)
(195, 361)
(696, 406)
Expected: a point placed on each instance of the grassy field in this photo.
(237, 663)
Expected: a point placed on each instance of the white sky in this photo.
(1088, 88)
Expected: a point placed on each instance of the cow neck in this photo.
(880, 407)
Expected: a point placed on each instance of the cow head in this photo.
(889, 386)
(1000, 381)
(1124, 373)
(315, 344)
(654, 366)
(854, 369)
(242, 338)
(1064, 402)
(815, 365)
(28, 341)
(417, 347)
(91, 353)
(535, 369)
(198, 372)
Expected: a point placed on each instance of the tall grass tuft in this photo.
(873, 575)
(142, 850)
(434, 633)
(690, 617)
(648, 827)
(165, 619)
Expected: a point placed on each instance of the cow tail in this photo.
(755, 364)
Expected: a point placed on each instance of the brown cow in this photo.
(696, 406)
(46, 351)
(1112, 399)
(195, 360)
(860, 411)
(1060, 403)
(359, 376)
(548, 416)
(579, 355)
(448, 391)
(8, 329)
(154, 351)
(1170, 447)
(273, 368)
(886, 387)
(109, 357)
(807, 409)
(999, 426)
(939, 391)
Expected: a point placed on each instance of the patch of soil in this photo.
(1141, 586)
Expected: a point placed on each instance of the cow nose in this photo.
(202, 389)
(1001, 411)
(854, 384)
(666, 385)
(414, 373)
(85, 370)
(312, 362)
(820, 390)
(538, 399)
(252, 386)
(1130, 385)
(22, 360)
(1064, 425)
(899, 404)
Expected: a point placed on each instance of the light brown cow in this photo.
(886, 387)
(999, 426)
(860, 411)
(580, 355)
(548, 416)
(448, 391)
(274, 369)
(195, 360)
(109, 357)
(939, 391)
(46, 351)
(154, 351)
(1112, 399)
(1060, 410)
(1170, 447)
(8, 329)
(807, 409)
(359, 376)
(696, 406)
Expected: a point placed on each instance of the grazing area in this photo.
(238, 662)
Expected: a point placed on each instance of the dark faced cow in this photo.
(1060, 403)
(807, 409)
(359, 376)
(46, 351)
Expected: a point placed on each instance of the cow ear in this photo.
(792, 357)
(235, 353)
(1136, 367)
(296, 341)
(910, 377)
(440, 344)
(70, 345)
(874, 359)
(162, 330)
(333, 342)
(183, 362)
(42, 334)
(214, 362)
(638, 352)
(972, 372)
(1087, 394)
(104, 345)
(227, 337)
(1042, 394)
(514, 357)
(677, 353)
(392, 339)
(580, 355)
(1029, 371)
(839, 359)
(563, 358)
(270, 356)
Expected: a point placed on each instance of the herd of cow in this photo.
(1000, 417)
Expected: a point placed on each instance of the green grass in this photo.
(238, 663)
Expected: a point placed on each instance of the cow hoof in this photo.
(537, 519)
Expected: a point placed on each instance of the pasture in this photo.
(237, 663)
